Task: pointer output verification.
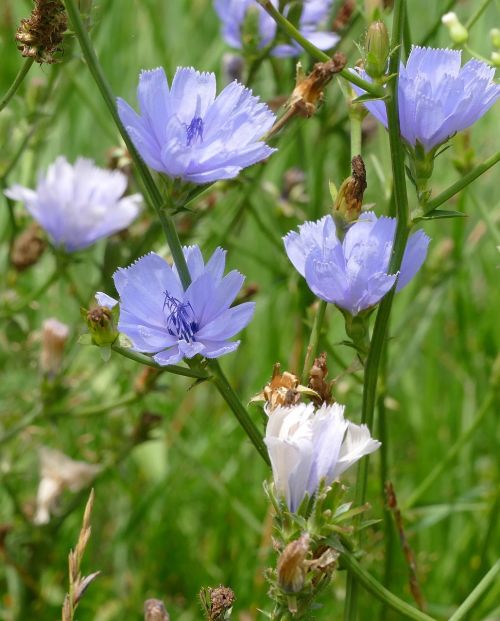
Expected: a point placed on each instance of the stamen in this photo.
(181, 321)
(194, 131)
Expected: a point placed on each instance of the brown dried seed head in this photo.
(350, 196)
(318, 380)
(344, 14)
(217, 602)
(154, 610)
(41, 34)
(28, 247)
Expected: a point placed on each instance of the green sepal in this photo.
(85, 339)
(440, 214)
(369, 97)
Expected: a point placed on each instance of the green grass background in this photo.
(187, 509)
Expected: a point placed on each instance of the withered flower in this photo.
(217, 603)
(349, 200)
(28, 247)
(41, 34)
(292, 565)
(318, 380)
(283, 389)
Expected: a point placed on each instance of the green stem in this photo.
(154, 195)
(355, 129)
(295, 34)
(476, 594)
(402, 231)
(463, 182)
(374, 587)
(475, 16)
(239, 410)
(312, 347)
(451, 454)
(148, 361)
(18, 80)
(157, 202)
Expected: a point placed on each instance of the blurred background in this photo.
(179, 500)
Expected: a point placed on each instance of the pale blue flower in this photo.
(314, 14)
(437, 97)
(353, 274)
(77, 205)
(160, 318)
(307, 446)
(186, 132)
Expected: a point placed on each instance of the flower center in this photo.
(181, 321)
(194, 131)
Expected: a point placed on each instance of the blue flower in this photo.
(314, 12)
(307, 446)
(437, 97)
(160, 318)
(77, 205)
(353, 274)
(189, 133)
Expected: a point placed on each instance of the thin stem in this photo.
(154, 195)
(451, 454)
(312, 347)
(477, 593)
(240, 412)
(18, 80)
(295, 34)
(475, 16)
(383, 314)
(374, 587)
(148, 361)
(463, 182)
(34, 295)
(23, 423)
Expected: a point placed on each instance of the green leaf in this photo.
(437, 214)
(105, 351)
(369, 97)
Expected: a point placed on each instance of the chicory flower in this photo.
(161, 318)
(232, 13)
(437, 97)
(77, 205)
(353, 274)
(186, 132)
(307, 446)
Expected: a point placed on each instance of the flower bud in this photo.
(495, 37)
(292, 566)
(457, 31)
(101, 324)
(27, 248)
(495, 59)
(349, 199)
(377, 50)
(54, 337)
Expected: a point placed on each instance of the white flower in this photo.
(307, 445)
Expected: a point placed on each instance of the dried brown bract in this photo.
(308, 92)
(292, 566)
(350, 196)
(41, 34)
(318, 381)
(284, 389)
(344, 15)
(217, 603)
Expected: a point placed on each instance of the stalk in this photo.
(18, 80)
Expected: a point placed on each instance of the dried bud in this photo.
(377, 50)
(28, 247)
(292, 565)
(101, 324)
(457, 31)
(41, 34)
(217, 603)
(308, 91)
(154, 610)
(118, 158)
(283, 389)
(349, 199)
(344, 14)
(318, 380)
(54, 337)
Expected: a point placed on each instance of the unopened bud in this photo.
(232, 67)
(377, 50)
(457, 31)
(101, 324)
(495, 37)
(495, 59)
(292, 566)
(349, 199)
(54, 337)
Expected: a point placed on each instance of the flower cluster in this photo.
(186, 132)
(77, 205)
(437, 97)
(232, 14)
(307, 446)
(353, 274)
(163, 319)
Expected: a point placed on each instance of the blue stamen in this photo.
(181, 320)
(194, 131)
